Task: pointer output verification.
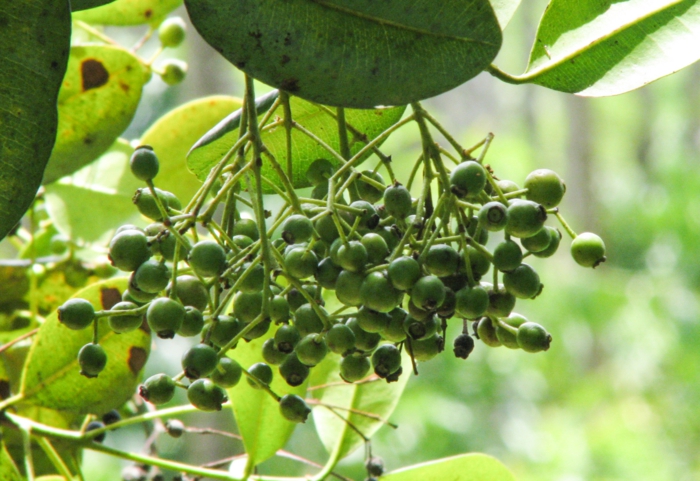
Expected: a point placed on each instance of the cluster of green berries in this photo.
(400, 277)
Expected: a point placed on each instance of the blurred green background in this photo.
(616, 396)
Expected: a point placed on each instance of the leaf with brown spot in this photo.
(129, 12)
(34, 44)
(93, 107)
(51, 376)
(109, 296)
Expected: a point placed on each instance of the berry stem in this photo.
(284, 99)
(262, 385)
(563, 223)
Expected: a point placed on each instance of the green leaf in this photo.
(98, 99)
(173, 135)
(129, 12)
(608, 48)
(8, 470)
(376, 397)
(464, 467)
(264, 429)
(213, 146)
(96, 199)
(51, 377)
(504, 10)
(34, 44)
(353, 53)
(76, 5)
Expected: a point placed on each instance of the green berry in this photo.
(247, 307)
(191, 292)
(397, 201)
(259, 330)
(545, 187)
(307, 320)
(419, 313)
(246, 227)
(279, 309)
(367, 191)
(297, 229)
(271, 354)
(441, 260)
(471, 302)
(354, 367)
(327, 273)
(501, 303)
(525, 218)
(463, 346)
(507, 256)
(539, 241)
(352, 256)
(404, 272)
(175, 428)
(377, 293)
(447, 309)
(122, 324)
(138, 297)
(326, 229)
(165, 316)
(199, 361)
(588, 250)
(92, 359)
(347, 288)
(286, 337)
(364, 341)
(340, 339)
(152, 276)
(371, 320)
(507, 186)
(174, 71)
(428, 293)
(311, 349)
(294, 408)
(319, 172)
(157, 389)
(386, 360)
(523, 282)
(418, 330)
(242, 241)
(227, 373)
(554, 241)
(505, 335)
(254, 280)
(171, 32)
(145, 202)
(394, 331)
(478, 261)
(76, 313)
(207, 258)
(532, 337)
(262, 372)
(224, 329)
(487, 332)
(493, 216)
(468, 179)
(59, 244)
(296, 299)
(144, 163)
(128, 250)
(301, 262)
(483, 235)
(376, 247)
(426, 349)
(192, 323)
(205, 395)
(293, 370)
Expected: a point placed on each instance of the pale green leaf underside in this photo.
(35, 42)
(173, 135)
(97, 198)
(377, 397)
(504, 10)
(608, 48)
(265, 431)
(371, 123)
(353, 53)
(52, 378)
(97, 101)
(129, 12)
(464, 467)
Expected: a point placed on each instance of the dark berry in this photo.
(386, 360)
(463, 346)
(293, 370)
(262, 372)
(94, 425)
(271, 354)
(294, 408)
(199, 361)
(174, 427)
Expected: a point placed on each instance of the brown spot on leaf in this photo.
(285, 59)
(148, 13)
(109, 296)
(125, 87)
(4, 389)
(290, 85)
(137, 359)
(93, 73)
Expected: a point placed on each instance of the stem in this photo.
(284, 99)
(504, 77)
(566, 227)
(54, 457)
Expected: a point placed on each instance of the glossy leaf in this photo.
(173, 135)
(98, 99)
(504, 10)
(129, 12)
(376, 397)
(8, 470)
(34, 44)
(96, 199)
(264, 429)
(607, 48)
(76, 5)
(353, 53)
(51, 377)
(213, 146)
(464, 467)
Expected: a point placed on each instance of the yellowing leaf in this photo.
(129, 12)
